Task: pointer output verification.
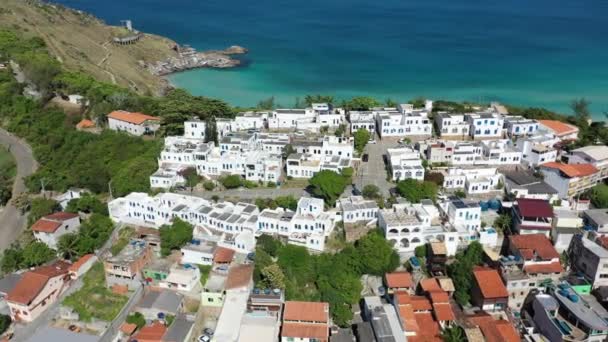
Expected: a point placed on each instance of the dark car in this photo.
(365, 158)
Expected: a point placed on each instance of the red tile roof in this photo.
(223, 255)
(494, 331)
(430, 285)
(559, 128)
(78, 264)
(128, 328)
(489, 282)
(85, 123)
(554, 267)
(429, 327)
(50, 223)
(418, 303)
(399, 280)
(444, 312)
(306, 311)
(239, 276)
(134, 118)
(572, 170)
(151, 333)
(32, 282)
(408, 321)
(439, 297)
(529, 244)
(529, 207)
(305, 330)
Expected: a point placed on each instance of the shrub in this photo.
(232, 181)
(209, 185)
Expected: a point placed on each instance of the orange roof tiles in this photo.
(134, 118)
(494, 331)
(50, 223)
(78, 264)
(429, 327)
(572, 170)
(32, 282)
(489, 282)
(128, 328)
(430, 285)
(306, 311)
(305, 330)
(408, 321)
(529, 244)
(439, 297)
(559, 128)
(443, 312)
(399, 280)
(85, 123)
(239, 276)
(223, 255)
(420, 303)
(151, 333)
(554, 267)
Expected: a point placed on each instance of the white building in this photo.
(499, 152)
(404, 122)
(537, 149)
(312, 118)
(466, 153)
(50, 228)
(330, 153)
(405, 163)
(183, 278)
(357, 209)
(363, 120)
(464, 217)
(484, 125)
(308, 226)
(226, 224)
(195, 129)
(198, 252)
(250, 121)
(519, 126)
(408, 226)
(133, 123)
(596, 155)
(473, 180)
(561, 130)
(452, 126)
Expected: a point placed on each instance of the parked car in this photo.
(208, 331)
(365, 158)
(204, 338)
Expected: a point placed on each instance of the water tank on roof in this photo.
(276, 291)
(256, 291)
(161, 315)
(484, 205)
(494, 204)
(563, 292)
(266, 291)
(573, 297)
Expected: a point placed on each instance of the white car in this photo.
(204, 338)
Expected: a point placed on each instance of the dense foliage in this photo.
(91, 236)
(8, 169)
(361, 138)
(599, 196)
(461, 271)
(415, 191)
(334, 278)
(33, 254)
(174, 236)
(88, 204)
(328, 185)
(287, 202)
(5, 322)
(136, 318)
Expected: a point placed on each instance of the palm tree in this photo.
(453, 334)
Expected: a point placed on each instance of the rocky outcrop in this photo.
(188, 58)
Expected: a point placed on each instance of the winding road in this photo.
(12, 222)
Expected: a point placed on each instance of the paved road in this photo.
(10, 217)
(374, 170)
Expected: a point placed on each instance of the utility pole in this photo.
(110, 188)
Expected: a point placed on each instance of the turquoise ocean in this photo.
(522, 52)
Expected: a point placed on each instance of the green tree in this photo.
(136, 318)
(192, 178)
(287, 202)
(435, 177)
(310, 99)
(417, 102)
(339, 132)
(580, 108)
(347, 173)
(174, 236)
(503, 222)
(420, 251)
(360, 103)
(232, 181)
(453, 334)
(371, 191)
(211, 130)
(41, 207)
(87, 203)
(415, 191)
(36, 254)
(361, 138)
(460, 193)
(461, 271)
(209, 185)
(5, 322)
(273, 277)
(266, 104)
(12, 259)
(599, 196)
(377, 256)
(328, 185)
(288, 150)
(269, 244)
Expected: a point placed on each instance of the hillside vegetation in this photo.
(82, 43)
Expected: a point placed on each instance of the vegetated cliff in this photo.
(83, 42)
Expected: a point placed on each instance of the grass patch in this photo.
(295, 183)
(8, 168)
(123, 239)
(205, 269)
(94, 299)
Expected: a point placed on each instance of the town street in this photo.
(13, 222)
(374, 170)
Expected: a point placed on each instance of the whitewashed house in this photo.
(465, 217)
(50, 228)
(182, 278)
(405, 163)
(484, 125)
(363, 120)
(519, 126)
(198, 252)
(452, 126)
(537, 149)
(195, 129)
(466, 153)
(133, 123)
(250, 121)
(407, 226)
(403, 122)
(473, 180)
(499, 152)
(312, 118)
(357, 209)
(330, 153)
